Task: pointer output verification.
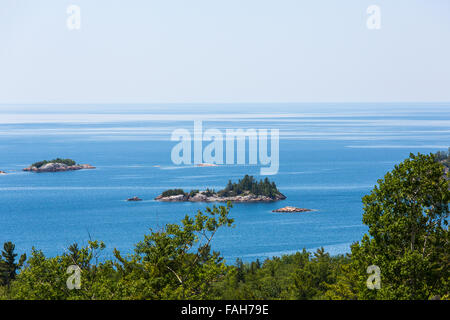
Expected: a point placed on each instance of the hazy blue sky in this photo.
(148, 51)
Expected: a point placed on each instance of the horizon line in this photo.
(222, 103)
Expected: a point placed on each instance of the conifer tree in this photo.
(8, 265)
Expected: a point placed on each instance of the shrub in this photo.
(173, 192)
(68, 162)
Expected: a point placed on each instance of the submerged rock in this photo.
(207, 165)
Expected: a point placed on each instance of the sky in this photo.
(224, 51)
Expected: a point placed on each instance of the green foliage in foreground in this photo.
(8, 265)
(172, 263)
(302, 275)
(407, 215)
(68, 162)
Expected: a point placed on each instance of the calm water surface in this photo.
(330, 156)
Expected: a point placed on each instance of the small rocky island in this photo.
(57, 165)
(2, 172)
(292, 209)
(246, 190)
(134, 199)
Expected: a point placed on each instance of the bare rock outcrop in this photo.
(291, 209)
(134, 199)
(174, 198)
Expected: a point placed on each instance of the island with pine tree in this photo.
(57, 165)
(247, 189)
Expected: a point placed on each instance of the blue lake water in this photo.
(331, 155)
